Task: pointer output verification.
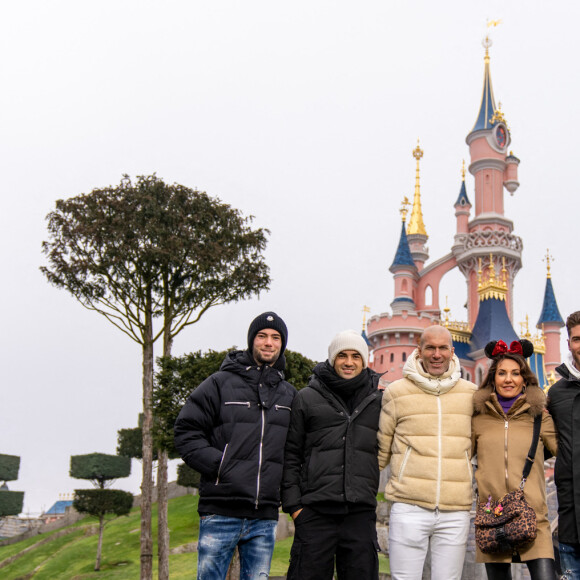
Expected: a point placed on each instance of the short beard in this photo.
(261, 361)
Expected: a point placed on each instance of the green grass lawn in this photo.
(72, 556)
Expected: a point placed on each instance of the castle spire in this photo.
(486, 118)
(403, 256)
(550, 312)
(462, 199)
(416, 225)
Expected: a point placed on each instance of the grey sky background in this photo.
(303, 114)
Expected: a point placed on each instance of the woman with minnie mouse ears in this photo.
(505, 406)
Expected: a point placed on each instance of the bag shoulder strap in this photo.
(533, 448)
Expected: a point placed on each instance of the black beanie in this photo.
(267, 320)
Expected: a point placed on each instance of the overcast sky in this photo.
(303, 114)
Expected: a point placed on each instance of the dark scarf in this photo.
(345, 389)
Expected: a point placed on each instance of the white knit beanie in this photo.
(348, 340)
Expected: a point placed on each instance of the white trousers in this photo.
(412, 530)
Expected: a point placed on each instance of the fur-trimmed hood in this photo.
(534, 396)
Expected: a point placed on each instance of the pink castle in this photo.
(487, 253)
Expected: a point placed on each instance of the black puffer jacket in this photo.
(232, 430)
(331, 456)
(564, 406)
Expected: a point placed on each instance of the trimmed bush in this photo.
(98, 502)
(187, 477)
(11, 502)
(9, 466)
(99, 466)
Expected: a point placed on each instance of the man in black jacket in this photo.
(232, 430)
(331, 473)
(564, 406)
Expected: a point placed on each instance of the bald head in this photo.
(436, 349)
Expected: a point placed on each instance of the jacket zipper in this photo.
(244, 403)
(439, 444)
(407, 453)
(260, 458)
(505, 452)
(278, 407)
(221, 463)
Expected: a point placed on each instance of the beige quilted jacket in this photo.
(425, 434)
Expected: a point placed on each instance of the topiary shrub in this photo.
(187, 477)
(99, 502)
(9, 466)
(99, 466)
(11, 502)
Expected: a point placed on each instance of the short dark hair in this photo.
(572, 321)
(529, 377)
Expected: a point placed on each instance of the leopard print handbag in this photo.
(505, 524)
(510, 522)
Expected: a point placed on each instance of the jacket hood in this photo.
(534, 396)
(242, 363)
(414, 371)
(568, 370)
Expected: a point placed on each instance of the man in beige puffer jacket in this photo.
(425, 434)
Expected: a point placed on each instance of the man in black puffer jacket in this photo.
(564, 406)
(331, 473)
(232, 430)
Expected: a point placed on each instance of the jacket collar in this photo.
(414, 371)
(534, 397)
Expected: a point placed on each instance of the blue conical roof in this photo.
(365, 338)
(462, 199)
(550, 312)
(403, 255)
(492, 323)
(487, 107)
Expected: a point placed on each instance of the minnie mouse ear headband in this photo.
(497, 347)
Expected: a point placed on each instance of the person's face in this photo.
(348, 364)
(435, 352)
(574, 344)
(508, 379)
(267, 346)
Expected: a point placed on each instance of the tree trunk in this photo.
(162, 517)
(100, 544)
(147, 480)
(162, 483)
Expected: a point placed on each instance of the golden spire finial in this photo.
(365, 310)
(404, 208)
(548, 258)
(416, 225)
(463, 170)
(525, 328)
(489, 286)
(446, 310)
(504, 272)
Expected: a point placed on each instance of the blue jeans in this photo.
(569, 561)
(218, 538)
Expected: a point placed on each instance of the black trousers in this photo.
(540, 569)
(319, 538)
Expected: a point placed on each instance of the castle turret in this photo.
(462, 206)
(550, 322)
(489, 230)
(404, 270)
(416, 232)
